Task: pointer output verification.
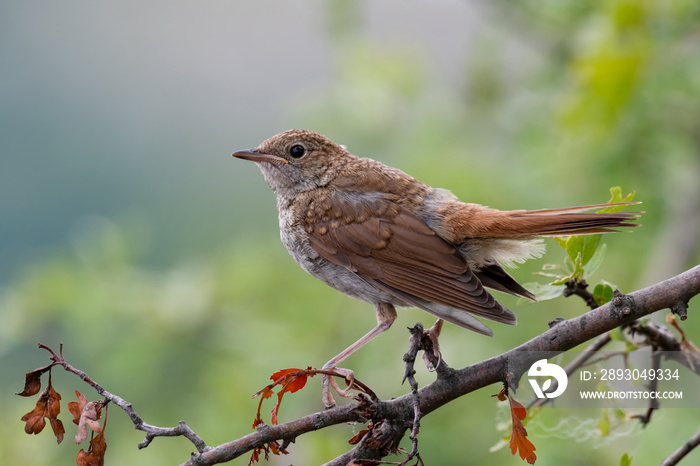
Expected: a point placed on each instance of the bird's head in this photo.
(297, 161)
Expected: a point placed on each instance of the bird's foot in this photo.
(329, 382)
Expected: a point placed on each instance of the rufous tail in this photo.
(491, 223)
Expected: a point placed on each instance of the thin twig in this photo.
(409, 373)
(652, 387)
(683, 450)
(182, 429)
(664, 339)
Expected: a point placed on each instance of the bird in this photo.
(375, 233)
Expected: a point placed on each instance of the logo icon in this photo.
(542, 368)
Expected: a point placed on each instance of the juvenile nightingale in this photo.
(377, 234)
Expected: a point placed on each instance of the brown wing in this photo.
(393, 248)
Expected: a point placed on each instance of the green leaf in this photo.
(561, 281)
(629, 346)
(581, 249)
(578, 267)
(616, 334)
(560, 241)
(616, 196)
(590, 246)
(574, 247)
(602, 294)
(544, 292)
(585, 245)
(626, 460)
(595, 261)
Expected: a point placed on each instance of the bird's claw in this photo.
(329, 382)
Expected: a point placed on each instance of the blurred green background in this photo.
(129, 234)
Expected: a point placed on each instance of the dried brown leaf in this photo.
(32, 381)
(95, 455)
(88, 418)
(54, 403)
(34, 419)
(76, 407)
(58, 429)
(48, 406)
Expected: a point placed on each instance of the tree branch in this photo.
(684, 449)
(182, 429)
(392, 418)
(389, 420)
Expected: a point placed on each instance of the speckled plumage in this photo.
(375, 233)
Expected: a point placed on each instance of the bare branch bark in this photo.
(393, 418)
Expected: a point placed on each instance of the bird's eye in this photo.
(297, 151)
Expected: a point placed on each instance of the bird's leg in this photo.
(386, 314)
(433, 333)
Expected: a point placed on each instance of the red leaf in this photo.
(295, 383)
(291, 380)
(281, 373)
(518, 435)
(355, 439)
(255, 456)
(266, 392)
(270, 447)
(501, 395)
(517, 409)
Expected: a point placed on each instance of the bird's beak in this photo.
(255, 155)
